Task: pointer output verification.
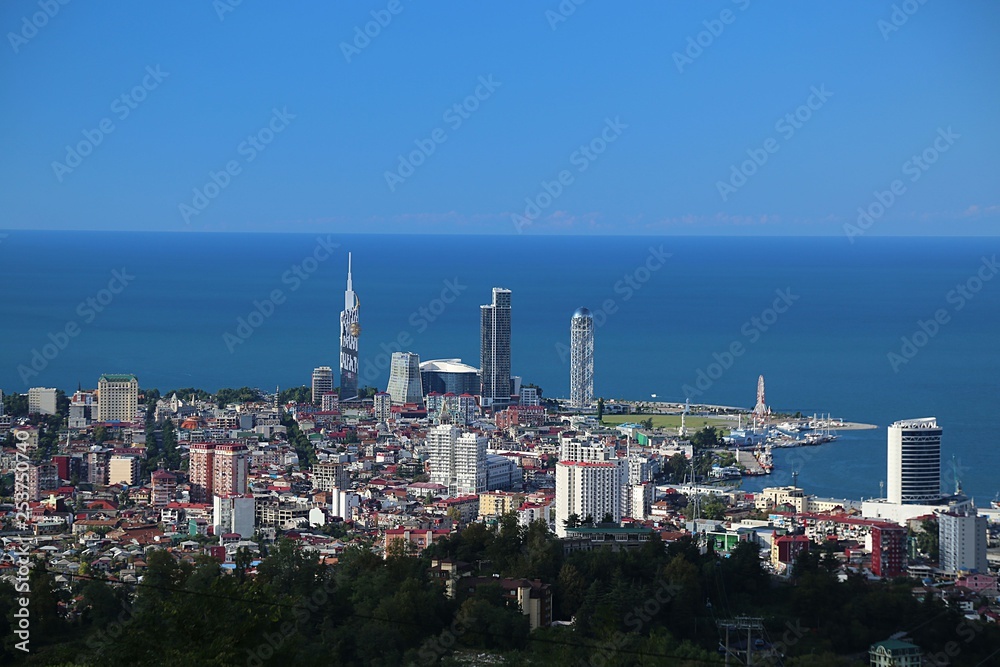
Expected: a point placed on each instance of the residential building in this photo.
(97, 466)
(200, 471)
(581, 359)
(528, 397)
(164, 486)
(404, 379)
(895, 653)
(81, 409)
(962, 540)
(497, 503)
(123, 470)
(887, 543)
(42, 478)
(322, 382)
(914, 469)
(41, 401)
(350, 329)
(501, 473)
(412, 540)
(588, 489)
(382, 403)
(457, 460)
(786, 548)
(230, 469)
(233, 514)
(494, 349)
(117, 398)
(330, 475)
(342, 503)
(330, 402)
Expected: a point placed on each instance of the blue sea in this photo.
(820, 318)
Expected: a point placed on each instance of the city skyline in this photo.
(730, 118)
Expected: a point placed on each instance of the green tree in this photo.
(600, 410)
(707, 438)
(927, 539)
(15, 405)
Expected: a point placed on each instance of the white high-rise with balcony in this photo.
(914, 470)
(457, 460)
(322, 382)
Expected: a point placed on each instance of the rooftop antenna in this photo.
(795, 478)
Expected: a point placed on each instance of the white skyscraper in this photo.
(581, 359)
(457, 460)
(404, 379)
(914, 470)
(349, 332)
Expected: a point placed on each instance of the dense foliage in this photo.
(651, 606)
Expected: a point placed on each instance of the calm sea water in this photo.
(663, 322)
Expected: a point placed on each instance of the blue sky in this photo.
(671, 111)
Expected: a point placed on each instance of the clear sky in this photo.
(617, 117)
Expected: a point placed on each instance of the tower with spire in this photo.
(349, 332)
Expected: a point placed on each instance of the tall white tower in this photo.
(349, 332)
(914, 471)
(581, 359)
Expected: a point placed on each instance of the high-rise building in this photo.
(233, 514)
(591, 481)
(117, 398)
(581, 359)
(81, 409)
(230, 469)
(322, 382)
(164, 485)
(41, 401)
(330, 475)
(457, 460)
(200, 472)
(494, 350)
(962, 540)
(914, 470)
(350, 329)
(123, 470)
(97, 466)
(887, 543)
(529, 397)
(404, 379)
(588, 489)
(217, 469)
(41, 479)
(383, 407)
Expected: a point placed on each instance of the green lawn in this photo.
(692, 422)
